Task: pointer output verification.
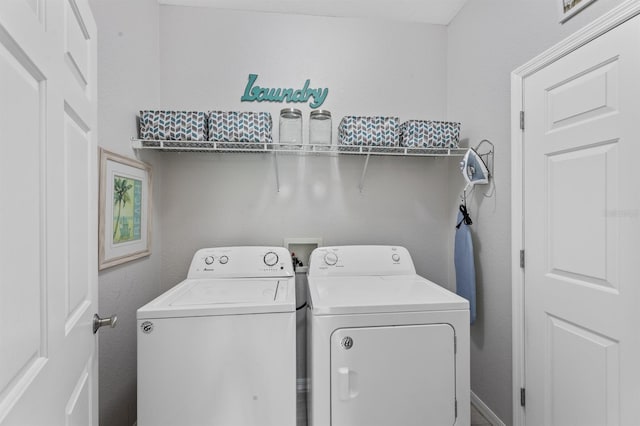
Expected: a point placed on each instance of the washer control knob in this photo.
(223, 260)
(395, 257)
(208, 260)
(270, 259)
(330, 258)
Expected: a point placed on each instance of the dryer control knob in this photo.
(223, 260)
(208, 260)
(395, 257)
(270, 259)
(330, 258)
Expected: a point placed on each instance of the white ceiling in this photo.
(426, 11)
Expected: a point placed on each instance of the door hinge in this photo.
(455, 344)
(522, 397)
(456, 408)
(521, 120)
(522, 258)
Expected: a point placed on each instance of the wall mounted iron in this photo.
(475, 165)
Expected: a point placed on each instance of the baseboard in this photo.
(485, 410)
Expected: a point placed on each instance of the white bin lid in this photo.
(205, 297)
(380, 294)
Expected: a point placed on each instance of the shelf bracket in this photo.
(364, 171)
(276, 168)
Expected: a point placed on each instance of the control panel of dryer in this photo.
(246, 262)
(360, 260)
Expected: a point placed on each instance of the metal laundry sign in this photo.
(255, 93)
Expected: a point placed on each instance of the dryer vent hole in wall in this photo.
(300, 249)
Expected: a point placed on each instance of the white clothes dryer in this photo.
(386, 346)
(218, 349)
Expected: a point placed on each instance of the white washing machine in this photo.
(218, 349)
(386, 346)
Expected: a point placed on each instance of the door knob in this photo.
(101, 322)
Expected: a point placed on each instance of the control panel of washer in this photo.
(248, 262)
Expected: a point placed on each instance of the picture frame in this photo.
(569, 8)
(125, 196)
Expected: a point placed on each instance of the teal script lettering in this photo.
(255, 93)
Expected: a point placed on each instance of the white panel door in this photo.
(48, 211)
(400, 375)
(582, 234)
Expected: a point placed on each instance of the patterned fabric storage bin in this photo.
(369, 131)
(173, 125)
(235, 126)
(429, 134)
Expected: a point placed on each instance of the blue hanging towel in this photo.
(464, 263)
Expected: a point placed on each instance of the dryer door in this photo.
(398, 375)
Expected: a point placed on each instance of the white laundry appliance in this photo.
(386, 346)
(218, 349)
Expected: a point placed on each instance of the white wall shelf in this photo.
(306, 149)
(212, 146)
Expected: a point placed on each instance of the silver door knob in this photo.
(101, 322)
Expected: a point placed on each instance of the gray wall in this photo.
(486, 41)
(128, 78)
(370, 67)
(410, 70)
(207, 200)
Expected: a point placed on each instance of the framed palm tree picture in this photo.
(124, 210)
(569, 8)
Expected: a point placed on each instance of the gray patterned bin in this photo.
(237, 126)
(369, 131)
(429, 134)
(173, 125)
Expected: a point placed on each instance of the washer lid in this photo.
(380, 294)
(206, 297)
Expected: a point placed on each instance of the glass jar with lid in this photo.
(320, 127)
(291, 127)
